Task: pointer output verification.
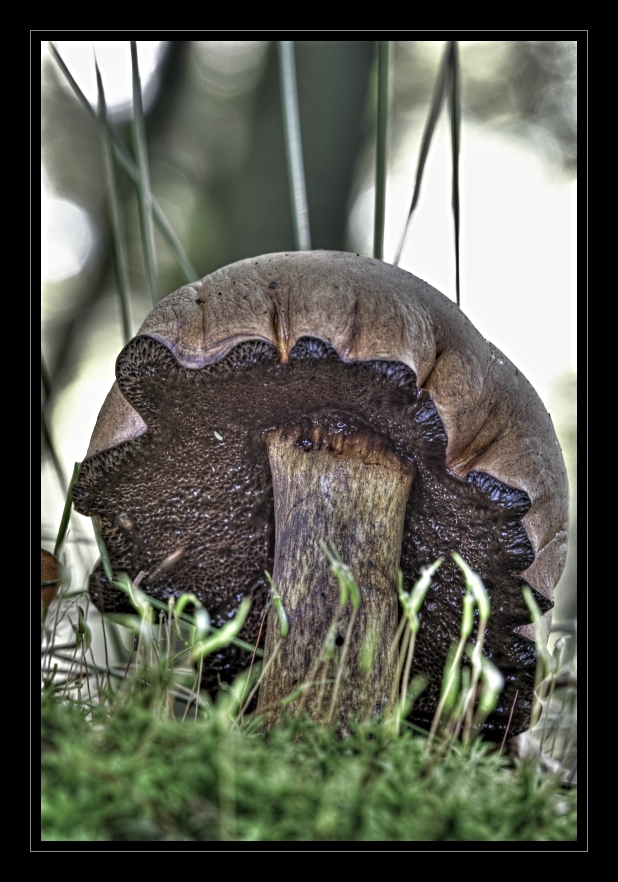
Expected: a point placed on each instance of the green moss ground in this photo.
(127, 776)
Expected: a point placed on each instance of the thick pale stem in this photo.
(352, 494)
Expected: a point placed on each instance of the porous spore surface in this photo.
(199, 480)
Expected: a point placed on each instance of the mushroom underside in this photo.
(199, 480)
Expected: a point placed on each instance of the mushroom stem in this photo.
(350, 490)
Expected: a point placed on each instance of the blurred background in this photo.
(218, 171)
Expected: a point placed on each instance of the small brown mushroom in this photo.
(294, 398)
(50, 577)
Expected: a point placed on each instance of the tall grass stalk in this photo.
(49, 444)
(381, 134)
(450, 681)
(144, 196)
(342, 663)
(256, 685)
(277, 603)
(410, 605)
(557, 655)
(478, 663)
(45, 380)
(252, 662)
(347, 589)
(118, 233)
(49, 633)
(546, 662)
(294, 146)
(315, 677)
(66, 512)
(455, 115)
(45, 427)
(448, 82)
(464, 708)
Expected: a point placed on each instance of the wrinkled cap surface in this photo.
(498, 442)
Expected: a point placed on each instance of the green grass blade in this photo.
(474, 584)
(47, 441)
(105, 561)
(70, 79)
(224, 635)
(380, 203)
(284, 626)
(45, 379)
(144, 197)
(293, 145)
(455, 112)
(66, 513)
(174, 245)
(430, 125)
(118, 249)
(126, 160)
(45, 430)
(190, 620)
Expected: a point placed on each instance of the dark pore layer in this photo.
(199, 480)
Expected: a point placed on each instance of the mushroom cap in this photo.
(50, 576)
(498, 436)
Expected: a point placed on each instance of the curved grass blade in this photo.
(118, 249)
(126, 161)
(284, 625)
(175, 247)
(66, 512)
(47, 437)
(455, 113)
(222, 636)
(345, 579)
(45, 379)
(107, 566)
(378, 224)
(430, 125)
(293, 145)
(48, 441)
(144, 196)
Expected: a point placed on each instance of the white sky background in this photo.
(517, 251)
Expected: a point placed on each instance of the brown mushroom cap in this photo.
(491, 480)
(50, 577)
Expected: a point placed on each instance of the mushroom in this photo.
(50, 577)
(293, 398)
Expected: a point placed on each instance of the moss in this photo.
(126, 776)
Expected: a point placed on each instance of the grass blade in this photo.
(224, 635)
(105, 561)
(455, 112)
(45, 429)
(378, 225)
(144, 197)
(118, 249)
(70, 79)
(430, 125)
(66, 513)
(293, 146)
(126, 161)
(175, 247)
(45, 380)
(284, 625)
(47, 440)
